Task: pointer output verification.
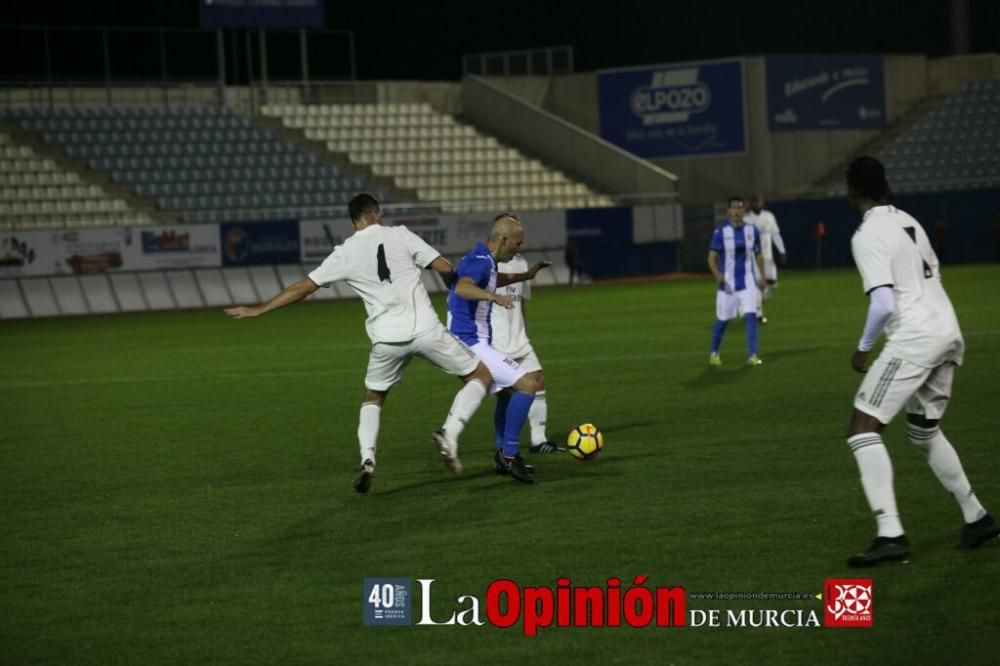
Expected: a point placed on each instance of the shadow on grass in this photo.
(622, 427)
(715, 376)
(567, 469)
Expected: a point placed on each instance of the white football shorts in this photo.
(529, 361)
(388, 360)
(728, 306)
(892, 383)
(505, 370)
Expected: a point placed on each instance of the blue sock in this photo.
(751, 323)
(500, 418)
(517, 414)
(717, 331)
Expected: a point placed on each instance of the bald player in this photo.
(470, 302)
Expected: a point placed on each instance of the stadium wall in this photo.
(780, 164)
(124, 269)
(964, 227)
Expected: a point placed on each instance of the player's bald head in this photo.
(505, 225)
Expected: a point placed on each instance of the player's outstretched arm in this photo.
(444, 268)
(293, 293)
(503, 279)
(470, 291)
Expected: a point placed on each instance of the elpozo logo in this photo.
(389, 601)
(673, 96)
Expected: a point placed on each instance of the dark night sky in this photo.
(425, 40)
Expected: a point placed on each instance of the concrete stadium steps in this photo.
(430, 153)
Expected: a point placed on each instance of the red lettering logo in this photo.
(847, 602)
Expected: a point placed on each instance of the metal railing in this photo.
(565, 145)
(177, 55)
(545, 62)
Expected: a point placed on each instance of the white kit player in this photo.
(770, 238)
(924, 345)
(383, 266)
(510, 336)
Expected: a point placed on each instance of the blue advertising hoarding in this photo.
(260, 243)
(261, 13)
(679, 110)
(825, 92)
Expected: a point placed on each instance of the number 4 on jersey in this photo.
(910, 231)
(383, 268)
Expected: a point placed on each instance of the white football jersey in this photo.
(509, 333)
(767, 225)
(383, 266)
(891, 248)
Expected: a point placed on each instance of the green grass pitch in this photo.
(175, 487)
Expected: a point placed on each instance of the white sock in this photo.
(462, 408)
(368, 422)
(943, 459)
(876, 478)
(538, 415)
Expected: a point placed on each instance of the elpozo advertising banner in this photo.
(825, 92)
(677, 110)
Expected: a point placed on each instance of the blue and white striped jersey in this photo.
(737, 264)
(468, 320)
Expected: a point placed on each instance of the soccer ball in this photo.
(585, 442)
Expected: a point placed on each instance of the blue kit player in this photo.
(733, 256)
(470, 302)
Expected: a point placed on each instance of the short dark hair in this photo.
(866, 177)
(361, 204)
(729, 204)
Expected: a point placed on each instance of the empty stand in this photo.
(443, 160)
(35, 193)
(953, 147)
(199, 164)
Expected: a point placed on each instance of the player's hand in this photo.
(726, 287)
(533, 271)
(782, 259)
(241, 312)
(860, 361)
(503, 301)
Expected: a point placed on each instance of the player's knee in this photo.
(921, 421)
(861, 422)
(539, 380)
(527, 384)
(482, 375)
(373, 397)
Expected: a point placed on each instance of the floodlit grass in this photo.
(176, 486)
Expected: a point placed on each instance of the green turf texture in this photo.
(175, 488)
